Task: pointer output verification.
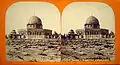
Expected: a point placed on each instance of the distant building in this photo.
(92, 29)
(35, 29)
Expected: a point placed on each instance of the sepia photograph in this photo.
(88, 32)
(59, 32)
(32, 32)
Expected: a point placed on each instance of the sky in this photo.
(19, 13)
(75, 14)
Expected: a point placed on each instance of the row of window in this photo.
(34, 33)
(91, 32)
(34, 26)
(92, 26)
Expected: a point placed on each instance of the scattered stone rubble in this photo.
(88, 50)
(48, 50)
(45, 50)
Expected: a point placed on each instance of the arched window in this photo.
(33, 33)
(39, 33)
(29, 33)
(96, 32)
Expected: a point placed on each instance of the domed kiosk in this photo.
(92, 29)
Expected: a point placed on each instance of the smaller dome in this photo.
(92, 20)
(35, 20)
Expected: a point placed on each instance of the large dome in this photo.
(35, 20)
(92, 20)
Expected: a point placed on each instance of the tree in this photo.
(6, 36)
(71, 34)
(55, 34)
(14, 32)
(13, 35)
(112, 34)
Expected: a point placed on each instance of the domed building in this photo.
(35, 29)
(92, 29)
(35, 22)
(92, 22)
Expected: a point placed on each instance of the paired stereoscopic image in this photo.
(89, 33)
(33, 32)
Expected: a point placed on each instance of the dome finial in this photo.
(34, 13)
(91, 13)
